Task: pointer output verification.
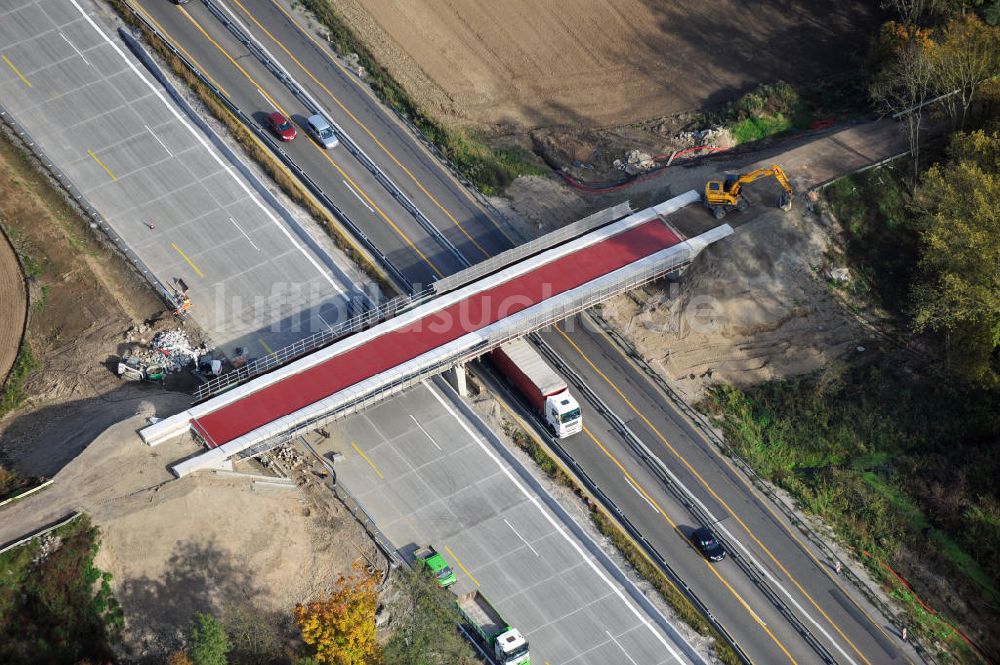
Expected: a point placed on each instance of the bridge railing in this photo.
(306, 345)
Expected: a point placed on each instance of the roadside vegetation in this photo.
(489, 169)
(897, 447)
(55, 605)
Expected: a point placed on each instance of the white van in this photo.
(321, 130)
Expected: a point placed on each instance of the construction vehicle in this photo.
(546, 391)
(507, 645)
(721, 196)
(133, 369)
(430, 557)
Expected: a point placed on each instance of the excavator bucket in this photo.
(785, 202)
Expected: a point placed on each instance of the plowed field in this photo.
(525, 63)
(13, 307)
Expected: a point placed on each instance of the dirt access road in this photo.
(521, 64)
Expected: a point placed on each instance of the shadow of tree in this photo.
(199, 577)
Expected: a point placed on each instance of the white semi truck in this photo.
(507, 645)
(545, 390)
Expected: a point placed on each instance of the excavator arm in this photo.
(721, 196)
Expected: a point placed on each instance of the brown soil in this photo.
(520, 64)
(13, 297)
(83, 300)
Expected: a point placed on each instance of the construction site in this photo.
(267, 367)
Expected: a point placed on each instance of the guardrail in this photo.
(705, 428)
(40, 532)
(375, 254)
(97, 220)
(308, 344)
(306, 99)
(666, 478)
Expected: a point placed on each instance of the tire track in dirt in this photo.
(13, 306)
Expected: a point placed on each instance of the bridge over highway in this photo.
(454, 327)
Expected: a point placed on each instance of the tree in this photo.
(208, 643)
(341, 628)
(904, 86)
(966, 55)
(179, 658)
(958, 294)
(253, 632)
(427, 633)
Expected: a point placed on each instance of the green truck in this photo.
(507, 645)
(428, 556)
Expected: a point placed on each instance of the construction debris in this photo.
(169, 351)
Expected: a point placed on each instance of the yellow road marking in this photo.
(18, 72)
(705, 484)
(264, 344)
(368, 131)
(369, 460)
(178, 46)
(101, 164)
(367, 198)
(460, 565)
(189, 261)
(674, 526)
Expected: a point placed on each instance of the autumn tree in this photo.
(179, 658)
(965, 56)
(959, 291)
(341, 628)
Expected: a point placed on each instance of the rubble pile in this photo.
(169, 351)
(175, 350)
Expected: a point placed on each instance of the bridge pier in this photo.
(456, 377)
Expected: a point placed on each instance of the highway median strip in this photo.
(610, 529)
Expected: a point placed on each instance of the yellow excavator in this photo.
(721, 196)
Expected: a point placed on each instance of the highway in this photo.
(185, 211)
(427, 474)
(846, 629)
(838, 627)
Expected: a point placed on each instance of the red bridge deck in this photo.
(448, 324)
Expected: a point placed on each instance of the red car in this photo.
(281, 126)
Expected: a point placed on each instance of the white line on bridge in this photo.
(641, 495)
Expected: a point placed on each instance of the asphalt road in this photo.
(848, 627)
(181, 207)
(255, 89)
(427, 476)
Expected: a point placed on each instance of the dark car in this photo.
(708, 545)
(282, 128)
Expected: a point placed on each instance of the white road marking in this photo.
(425, 432)
(244, 233)
(641, 495)
(358, 196)
(521, 537)
(268, 100)
(555, 525)
(204, 142)
(153, 134)
(78, 52)
(612, 637)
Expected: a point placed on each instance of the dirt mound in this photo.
(520, 64)
(751, 308)
(13, 307)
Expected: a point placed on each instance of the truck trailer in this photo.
(507, 645)
(546, 391)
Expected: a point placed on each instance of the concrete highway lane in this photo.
(182, 208)
(426, 476)
(850, 629)
(258, 92)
